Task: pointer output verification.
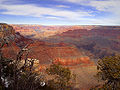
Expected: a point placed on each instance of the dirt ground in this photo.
(85, 77)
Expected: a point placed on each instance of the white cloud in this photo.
(59, 13)
(50, 17)
(112, 6)
(62, 6)
(75, 1)
(108, 6)
(36, 11)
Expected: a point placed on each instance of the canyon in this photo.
(46, 52)
(39, 31)
(76, 47)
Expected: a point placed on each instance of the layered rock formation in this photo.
(6, 30)
(73, 61)
(53, 53)
(7, 35)
(39, 31)
(105, 32)
(99, 41)
(46, 53)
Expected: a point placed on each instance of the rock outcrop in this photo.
(6, 30)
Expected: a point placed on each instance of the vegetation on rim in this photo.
(109, 72)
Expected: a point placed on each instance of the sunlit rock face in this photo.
(7, 35)
(48, 53)
(39, 31)
(6, 30)
(84, 60)
(45, 52)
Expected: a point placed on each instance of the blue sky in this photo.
(60, 12)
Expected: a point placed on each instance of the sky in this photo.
(60, 12)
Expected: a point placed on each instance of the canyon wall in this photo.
(105, 32)
(6, 30)
(39, 31)
(47, 52)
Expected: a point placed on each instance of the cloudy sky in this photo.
(60, 12)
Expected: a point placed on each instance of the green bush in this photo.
(109, 71)
(62, 77)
